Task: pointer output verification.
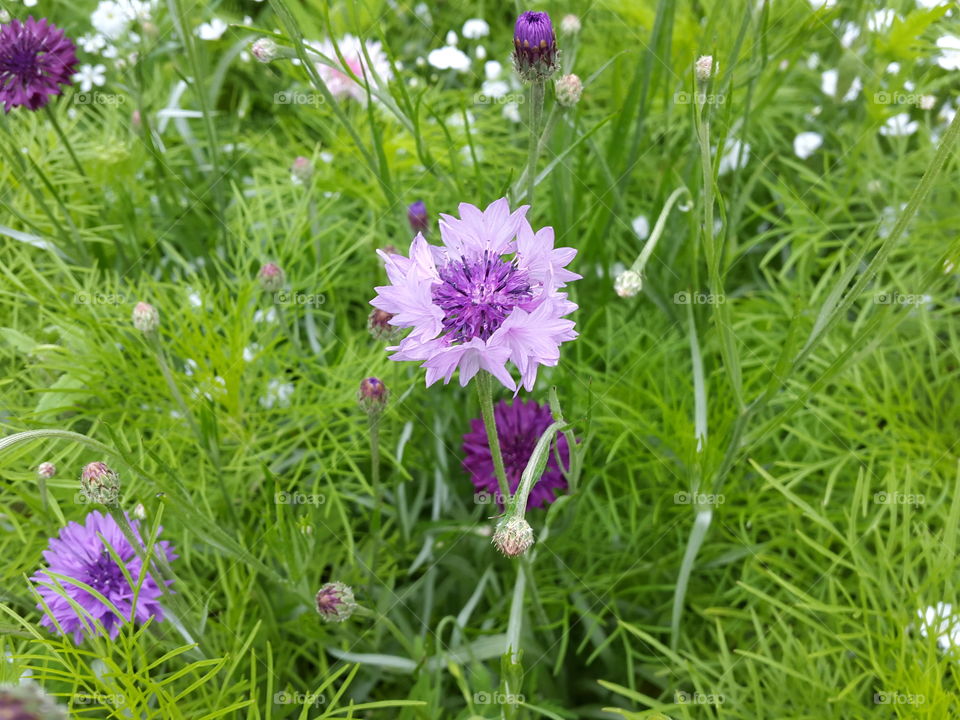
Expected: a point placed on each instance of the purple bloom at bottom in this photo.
(519, 427)
(35, 60)
(79, 553)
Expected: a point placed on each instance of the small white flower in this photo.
(452, 38)
(278, 394)
(735, 155)
(212, 30)
(949, 58)
(641, 226)
(899, 125)
(422, 11)
(92, 43)
(475, 28)
(268, 316)
(492, 69)
(449, 58)
(881, 20)
(941, 621)
(511, 111)
(927, 102)
(828, 84)
(806, 144)
(90, 76)
(109, 19)
(850, 34)
(817, 4)
(494, 88)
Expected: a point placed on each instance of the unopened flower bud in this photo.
(100, 484)
(379, 324)
(628, 283)
(704, 68)
(534, 46)
(146, 318)
(570, 24)
(264, 49)
(373, 395)
(301, 170)
(270, 277)
(335, 602)
(513, 536)
(569, 88)
(27, 701)
(46, 470)
(140, 512)
(417, 215)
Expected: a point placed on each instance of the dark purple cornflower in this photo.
(80, 553)
(477, 295)
(35, 60)
(519, 427)
(417, 215)
(534, 46)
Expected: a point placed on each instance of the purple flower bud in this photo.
(335, 602)
(46, 470)
(270, 277)
(534, 46)
(264, 49)
(373, 395)
(100, 484)
(417, 215)
(301, 170)
(146, 318)
(513, 536)
(379, 325)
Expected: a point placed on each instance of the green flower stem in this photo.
(377, 495)
(641, 262)
(63, 138)
(536, 112)
(484, 382)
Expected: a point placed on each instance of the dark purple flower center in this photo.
(105, 576)
(477, 294)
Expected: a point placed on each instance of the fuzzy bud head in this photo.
(373, 394)
(704, 68)
(569, 89)
(46, 470)
(335, 602)
(379, 325)
(628, 283)
(534, 46)
(140, 512)
(264, 49)
(100, 484)
(570, 24)
(270, 277)
(146, 318)
(513, 536)
(301, 169)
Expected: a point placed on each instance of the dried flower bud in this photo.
(534, 46)
(379, 325)
(704, 68)
(570, 24)
(140, 512)
(513, 536)
(335, 602)
(270, 277)
(569, 89)
(301, 170)
(28, 701)
(146, 318)
(100, 484)
(264, 49)
(373, 395)
(417, 215)
(628, 283)
(46, 470)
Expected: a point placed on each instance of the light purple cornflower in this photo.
(519, 427)
(80, 554)
(490, 294)
(35, 60)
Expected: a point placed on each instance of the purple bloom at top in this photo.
(35, 60)
(534, 46)
(490, 294)
(417, 215)
(80, 554)
(519, 427)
